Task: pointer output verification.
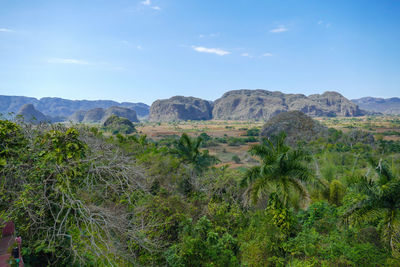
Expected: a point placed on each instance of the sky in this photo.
(140, 51)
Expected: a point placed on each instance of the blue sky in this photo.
(140, 51)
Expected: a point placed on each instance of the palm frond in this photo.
(301, 189)
(251, 175)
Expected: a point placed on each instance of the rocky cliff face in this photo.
(29, 114)
(263, 104)
(373, 104)
(335, 103)
(99, 115)
(248, 105)
(180, 108)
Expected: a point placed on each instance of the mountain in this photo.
(121, 112)
(262, 105)
(59, 107)
(99, 115)
(29, 114)
(180, 108)
(386, 106)
(95, 115)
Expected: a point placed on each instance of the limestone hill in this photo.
(100, 115)
(180, 108)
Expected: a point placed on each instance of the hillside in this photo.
(29, 114)
(180, 108)
(100, 115)
(59, 107)
(383, 105)
(263, 104)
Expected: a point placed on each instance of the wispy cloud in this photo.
(148, 4)
(246, 55)
(100, 65)
(68, 61)
(216, 51)
(267, 55)
(279, 29)
(211, 35)
(325, 24)
(127, 43)
(5, 30)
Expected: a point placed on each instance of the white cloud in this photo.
(267, 55)
(68, 61)
(246, 55)
(146, 2)
(216, 51)
(325, 24)
(211, 35)
(279, 29)
(139, 47)
(5, 30)
(101, 64)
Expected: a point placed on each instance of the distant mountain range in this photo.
(233, 105)
(386, 106)
(252, 105)
(61, 109)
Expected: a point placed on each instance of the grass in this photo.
(385, 127)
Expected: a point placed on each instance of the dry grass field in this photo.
(385, 127)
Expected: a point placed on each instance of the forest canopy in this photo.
(83, 197)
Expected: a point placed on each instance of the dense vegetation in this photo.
(80, 197)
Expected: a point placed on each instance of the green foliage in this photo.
(201, 245)
(253, 132)
(236, 158)
(117, 125)
(11, 141)
(336, 192)
(282, 217)
(261, 242)
(80, 198)
(281, 167)
(188, 151)
(381, 202)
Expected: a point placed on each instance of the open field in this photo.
(385, 127)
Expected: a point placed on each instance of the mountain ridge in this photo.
(376, 104)
(60, 107)
(241, 104)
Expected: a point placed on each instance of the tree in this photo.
(282, 170)
(188, 150)
(381, 201)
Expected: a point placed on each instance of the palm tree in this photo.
(382, 201)
(282, 170)
(188, 150)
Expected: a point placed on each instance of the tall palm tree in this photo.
(282, 170)
(188, 150)
(382, 201)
